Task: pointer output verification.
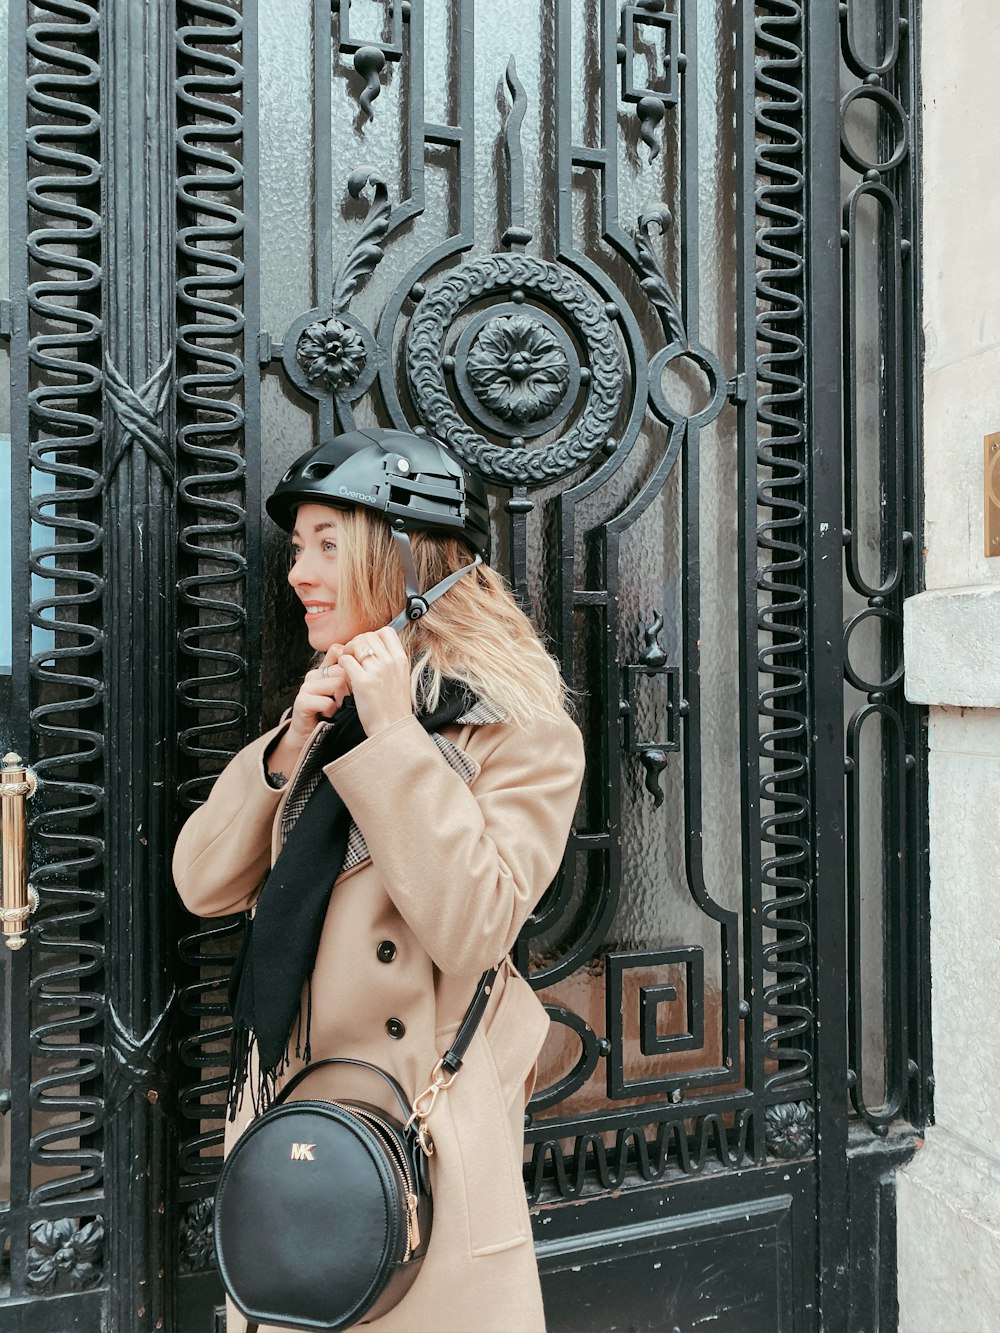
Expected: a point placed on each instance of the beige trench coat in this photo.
(456, 839)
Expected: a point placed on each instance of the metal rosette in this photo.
(518, 369)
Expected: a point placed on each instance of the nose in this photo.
(299, 573)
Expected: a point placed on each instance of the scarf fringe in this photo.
(264, 1089)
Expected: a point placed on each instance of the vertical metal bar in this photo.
(823, 359)
(323, 181)
(138, 226)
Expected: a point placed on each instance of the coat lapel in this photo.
(309, 774)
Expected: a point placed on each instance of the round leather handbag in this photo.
(323, 1210)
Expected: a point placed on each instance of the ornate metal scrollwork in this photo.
(517, 369)
(65, 1250)
(370, 58)
(140, 412)
(788, 1128)
(197, 1249)
(781, 497)
(554, 288)
(650, 101)
(653, 754)
(328, 350)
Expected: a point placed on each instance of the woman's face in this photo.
(313, 575)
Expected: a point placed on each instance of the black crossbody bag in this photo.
(323, 1211)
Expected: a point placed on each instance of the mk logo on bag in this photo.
(302, 1152)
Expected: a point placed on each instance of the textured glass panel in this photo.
(872, 891)
(869, 389)
(287, 429)
(286, 185)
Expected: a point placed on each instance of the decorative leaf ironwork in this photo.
(366, 253)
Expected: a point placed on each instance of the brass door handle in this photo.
(17, 898)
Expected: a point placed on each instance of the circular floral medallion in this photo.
(333, 352)
(549, 287)
(517, 369)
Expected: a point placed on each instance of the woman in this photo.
(442, 817)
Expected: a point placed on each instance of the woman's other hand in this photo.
(378, 674)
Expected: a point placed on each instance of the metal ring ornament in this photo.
(889, 618)
(562, 292)
(873, 93)
(709, 365)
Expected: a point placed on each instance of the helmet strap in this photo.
(418, 603)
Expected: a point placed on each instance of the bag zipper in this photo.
(399, 1157)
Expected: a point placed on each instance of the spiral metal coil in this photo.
(67, 689)
(211, 471)
(781, 495)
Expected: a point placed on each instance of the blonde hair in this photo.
(475, 633)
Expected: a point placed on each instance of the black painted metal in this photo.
(547, 359)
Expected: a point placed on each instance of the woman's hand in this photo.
(378, 675)
(320, 696)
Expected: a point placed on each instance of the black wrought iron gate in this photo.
(650, 269)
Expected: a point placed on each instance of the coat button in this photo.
(386, 951)
(395, 1028)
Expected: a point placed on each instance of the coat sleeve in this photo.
(465, 865)
(223, 853)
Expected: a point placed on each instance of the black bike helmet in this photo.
(409, 480)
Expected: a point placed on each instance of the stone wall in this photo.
(949, 1195)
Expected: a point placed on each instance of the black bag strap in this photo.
(453, 1056)
(294, 1082)
(451, 1060)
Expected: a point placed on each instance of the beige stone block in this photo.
(961, 147)
(951, 647)
(973, 731)
(961, 405)
(965, 942)
(948, 1239)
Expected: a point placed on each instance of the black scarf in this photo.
(282, 939)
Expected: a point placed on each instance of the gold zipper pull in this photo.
(413, 1226)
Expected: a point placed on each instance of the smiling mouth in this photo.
(314, 613)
